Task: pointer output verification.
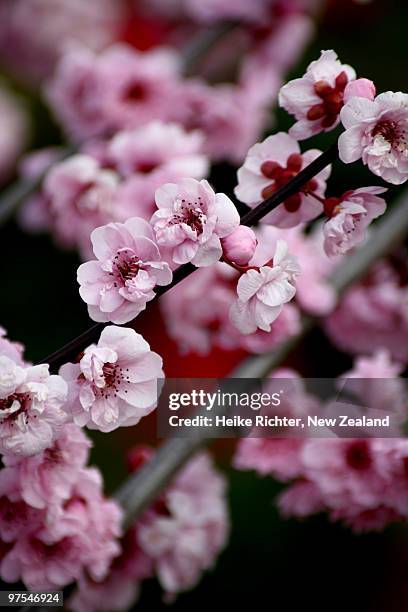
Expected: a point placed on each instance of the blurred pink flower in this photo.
(34, 33)
(120, 589)
(98, 94)
(150, 156)
(129, 266)
(189, 527)
(373, 313)
(349, 217)
(270, 165)
(47, 478)
(115, 383)
(82, 539)
(31, 404)
(190, 220)
(80, 197)
(376, 133)
(262, 292)
(317, 98)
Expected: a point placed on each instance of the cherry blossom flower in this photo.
(317, 98)
(373, 314)
(115, 382)
(270, 165)
(240, 245)
(262, 292)
(376, 132)
(47, 478)
(190, 220)
(129, 266)
(120, 589)
(83, 539)
(188, 528)
(150, 156)
(31, 403)
(349, 216)
(80, 198)
(34, 33)
(314, 293)
(98, 94)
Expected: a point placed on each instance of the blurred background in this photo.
(269, 563)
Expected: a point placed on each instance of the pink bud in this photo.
(361, 88)
(240, 246)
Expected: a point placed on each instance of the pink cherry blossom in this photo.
(129, 266)
(373, 314)
(190, 220)
(231, 116)
(31, 404)
(80, 198)
(12, 350)
(313, 290)
(317, 98)
(282, 329)
(374, 381)
(350, 215)
(82, 539)
(262, 292)
(375, 131)
(98, 94)
(115, 382)
(270, 165)
(120, 589)
(240, 245)
(279, 456)
(188, 529)
(47, 478)
(150, 156)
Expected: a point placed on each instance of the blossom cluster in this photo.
(176, 539)
(56, 526)
(360, 482)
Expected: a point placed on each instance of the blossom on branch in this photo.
(263, 291)
(377, 132)
(349, 216)
(190, 221)
(270, 165)
(115, 383)
(129, 266)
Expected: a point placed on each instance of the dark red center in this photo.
(358, 455)
(281, 175)
(332, 101)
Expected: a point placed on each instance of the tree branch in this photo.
(141, 489)
(71, 350)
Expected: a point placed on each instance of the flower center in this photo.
(191, 214)
(114, 377)
(282, 175)
(332, 100)
(358, 455)
(392, 132)
(6, 404)
(126, 265)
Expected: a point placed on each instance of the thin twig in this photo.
(141, 489)
(71, 350)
